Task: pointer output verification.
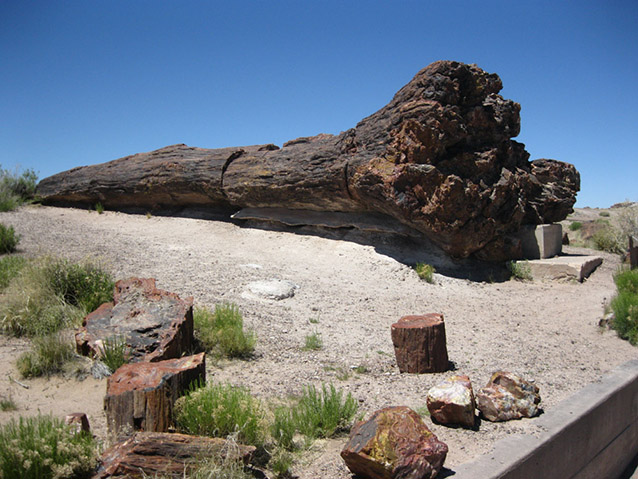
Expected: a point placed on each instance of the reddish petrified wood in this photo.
(141, 396)
(394, 443)
(79, 421)
(155, 324)
(152, 454)
(419, 344)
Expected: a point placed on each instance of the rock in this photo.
(79, 421)
(153, 454)
(420, 344)
(276, 289)
(438, 158)
(565, 239)
(141, 396)
(507, 396)
(155, 324)
(394, 443)
(452, 402)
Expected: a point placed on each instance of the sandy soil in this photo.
(545, 331)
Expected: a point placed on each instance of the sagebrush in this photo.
(8, 239)
(222, 331)
(625, 305)
(16, 188)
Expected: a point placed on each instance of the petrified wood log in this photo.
(155, 324)
(152, 454)
(394, 443)
(439, 158)
(420, 344)
(141, 396)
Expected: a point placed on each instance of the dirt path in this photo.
(348, 293)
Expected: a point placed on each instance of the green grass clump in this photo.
(575, 225)
(51, 294)
(425, 271)
(10, 267)
(7, 403)
(8, 239)
(99, 208)
(520, 270)
(313, 342)
(43, 447)
(222, 331)
(625, 305)
(323, 413)
(219, 410)
(114, 353)
(47, 356)
(16, 188)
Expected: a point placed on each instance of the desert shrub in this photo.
(7, 403)
(604, 214)
(323, 413)
(425, 271)
(16, 188)
(43, 447)
(8, 239)
(219, 410)
(625, 305)
(313, 342)
(281, 462)
(114, 353)
(85, 285)
(47, 356)
(222, 331)
(51, 294)
(609, 239)
(10, 267)
(520, 270)
(283, 427)
(628, 221)
(575, 225)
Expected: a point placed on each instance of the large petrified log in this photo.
(439, 158)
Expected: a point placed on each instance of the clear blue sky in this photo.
(84, 82)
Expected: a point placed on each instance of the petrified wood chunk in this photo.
(141, 396)
(155, 324)
(79, 421)
(438, 158)
(153, 454)
(508, 396)
(452, 402)
(394, 443)
(419, 344)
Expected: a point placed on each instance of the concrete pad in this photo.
(541, 241)
(592, 434)
(564, 267)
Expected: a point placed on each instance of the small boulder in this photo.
(507, 396)
(155, 454)
(78, 421)
(452, 402)
(155, 324)
(276, 289)
(394, 443)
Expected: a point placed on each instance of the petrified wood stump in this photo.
(155, 324)
(419, 344)
(439, 158)
(141, 396)
(152, 454)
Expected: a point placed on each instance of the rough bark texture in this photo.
(420, 344)
(151, 454)
(394, 443)
(155, 324)
(141, 396)
(439, 158)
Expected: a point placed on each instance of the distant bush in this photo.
(520, 270)
(47, 356)
(43, 447)
(219, 410)
(575, 226)
(425, 271)
(604, 214)
(8, 239)
(625, 305)
(609, 239)
(16, 188)
(51, 294)
(10, 267)
(222, 331)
